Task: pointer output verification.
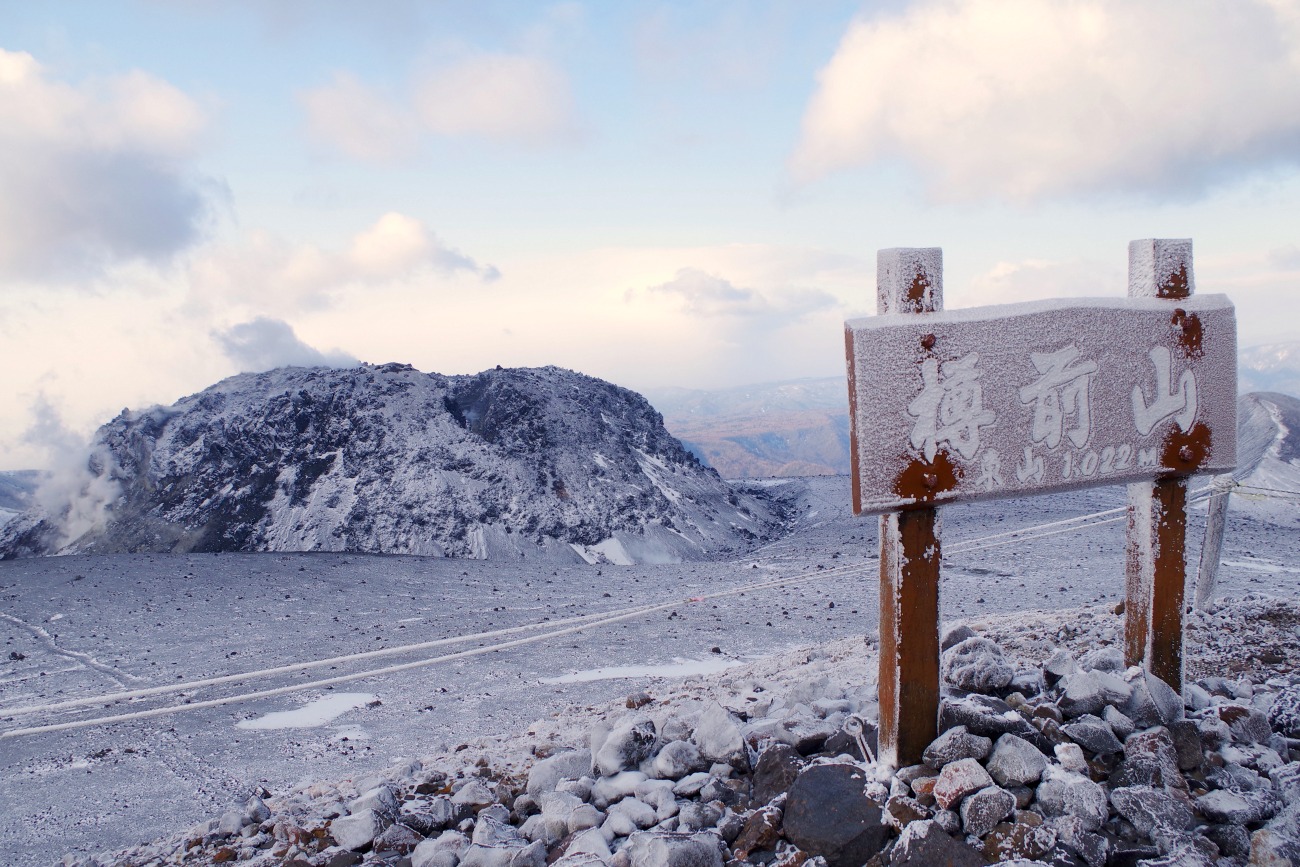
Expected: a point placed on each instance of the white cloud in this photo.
(94, 173)
(264, 343)
(511, 98)
(1025, 99)
(360, 121)
(517, 99)
(271, 273)
(705, 294)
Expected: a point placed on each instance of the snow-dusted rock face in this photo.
(386, 459)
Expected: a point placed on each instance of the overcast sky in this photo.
(654, 193)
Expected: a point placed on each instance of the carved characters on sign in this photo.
(1180, 404)
(1060, 391)
(950, 407)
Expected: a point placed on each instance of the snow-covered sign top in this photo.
(1029, 398)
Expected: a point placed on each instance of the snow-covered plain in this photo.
(81, 627)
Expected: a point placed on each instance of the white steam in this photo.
(77, 491)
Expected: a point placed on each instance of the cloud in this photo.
(264, 343)
(514, 99)
(94, 173)
(360, 121)
(271, 272)
(1026, 99)
(705, 294)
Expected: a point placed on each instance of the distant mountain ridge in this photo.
(386, 459)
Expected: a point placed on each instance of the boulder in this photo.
(760, 832)
(718, 736)
(626, 746)
(976, 665)
(676, 759)
(959, 779)
(775, 771)
(925, 844)
(1152, 702)
(981, 810)
(982, 715)
(1009, 841)
(1284, 712)
(1246, 723)
(357, 830)
(827, 813)
(1239, 808)
(670, 849)
(1065, 793)
(955, 744)
(547, 774)
(1092, 733)
(900, 811)
(1016, 762)
(1151, 810)
(397, 838)
(504, 855)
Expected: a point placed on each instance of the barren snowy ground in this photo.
(87, 627)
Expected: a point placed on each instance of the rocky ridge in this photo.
(386, 459)
(1051, 751)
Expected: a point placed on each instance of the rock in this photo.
(1153, 702)
(1121, 725)
(1013, 840)
(639, 814)
(1286, 779)
(398, 838)
(1269, 848)
(1232, 840)
(1246, 723)
(958, 779)
(1151, 810)
(431, 816)
(1150, 759)
(1060, 664)
(719, 737)
(1186, 737)
(976, 665)
(382, 799)
(842, 742)
(443, 851)
(1093, 735)
(1108, 659)
(580, 859)
(589, 842)
(956, 635)
(547, 774)
(691, 784)
(546, 829)
(1284, 712)
(775, 771)
(1239, 808)
(982, 715)
(1064, 793)
(677, 759)
(1194, 697)
(475, 793)
(659, 795)
(1073, 833)
(1071, 758)
(981, 810)
(698, 816)
(627, 745)
(925, 844)
(668, 849)
(231, 822)
(1081, 693)
(947, 821)
(584, 817)
(827, 813)
(953, 745)
(901, 810)
(607, 790)
(1015, 762)
(531, 855)
(492, 832)
(760, 832)
(357, 830)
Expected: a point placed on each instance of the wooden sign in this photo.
(1022, 399)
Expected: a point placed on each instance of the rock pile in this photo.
(1076, 761)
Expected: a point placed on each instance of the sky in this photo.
(657, 194)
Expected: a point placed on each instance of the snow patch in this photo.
(678, 668)
(312, 714)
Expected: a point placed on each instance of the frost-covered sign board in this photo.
(1030, 398)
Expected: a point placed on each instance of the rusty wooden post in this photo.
(908, 281)
(1156, 568)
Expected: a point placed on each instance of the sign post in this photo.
(1024, 399)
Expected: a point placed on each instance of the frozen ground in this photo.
(87, 627)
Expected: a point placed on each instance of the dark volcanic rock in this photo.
(776, 770)
(386, 459)
(827, 813)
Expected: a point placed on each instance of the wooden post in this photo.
(1207, 576)
(1156, 567)
(908, 281)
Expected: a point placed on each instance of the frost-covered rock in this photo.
(442, 851)
(1151, 810)
(953, 745)
(667, 849)
(959, 779)
(1284, 712)
(1064, 793)
(627, 745)
(1093, 735)
(827, 813)
(983, 809)
(1016, 762)
(976, 665)
(548, 773)
(925, 843)
(718, 735)
(1152, 702)
(677, 759)
(357, 830)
